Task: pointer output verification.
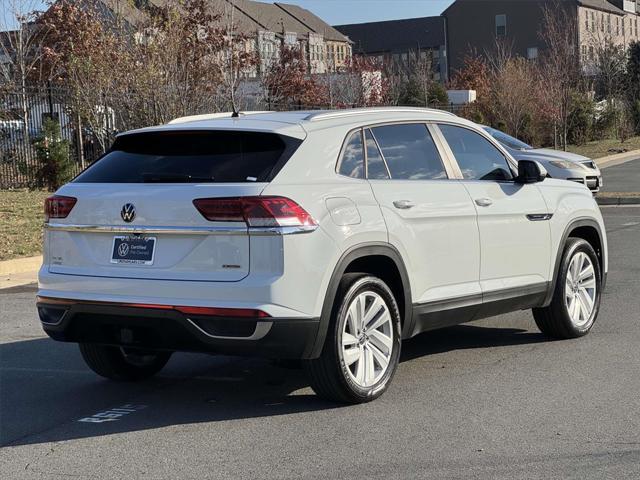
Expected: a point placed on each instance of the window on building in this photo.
(501, 25)
(532, 53)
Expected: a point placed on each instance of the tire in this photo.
(337, 375)
(568, 315)
(116, 363)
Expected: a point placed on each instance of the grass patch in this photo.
(21, 216)
(602, 148)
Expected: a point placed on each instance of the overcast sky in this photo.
(337, 12)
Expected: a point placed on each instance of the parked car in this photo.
(329, 237)
(566, 165)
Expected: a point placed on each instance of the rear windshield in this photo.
(192, 157)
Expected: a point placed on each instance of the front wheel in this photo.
(576, 299)
(124, 364)
(362, 348)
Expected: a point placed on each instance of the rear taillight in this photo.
(58, 206)
(255, 211)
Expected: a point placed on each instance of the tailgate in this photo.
(182, 244)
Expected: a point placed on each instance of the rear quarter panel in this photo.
(345, 209)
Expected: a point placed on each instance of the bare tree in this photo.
(20, 50)
(560, 71)
(513, 94)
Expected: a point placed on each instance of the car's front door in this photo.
(430, 219)
(512, 218)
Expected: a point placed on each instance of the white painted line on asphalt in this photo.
(630, 224)
(113, 414)
(45, 370)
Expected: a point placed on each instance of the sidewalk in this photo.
(20, 271)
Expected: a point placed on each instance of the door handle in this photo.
(403, 204)
(484, 202)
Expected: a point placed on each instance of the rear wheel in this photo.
(576, 299)
(362, 348)
(124, 364)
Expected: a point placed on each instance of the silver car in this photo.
(562, 165)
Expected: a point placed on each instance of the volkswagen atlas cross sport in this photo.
(328, 237)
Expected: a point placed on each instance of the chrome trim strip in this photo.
(262, 328)
(271, 231)
(148, 230)
(135, 229)
(540, 217)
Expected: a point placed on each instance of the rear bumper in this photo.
(166, 329)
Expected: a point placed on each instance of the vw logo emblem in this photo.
(123, 249)
(128, 212)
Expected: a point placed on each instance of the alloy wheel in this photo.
(580, 289)
(367, 339)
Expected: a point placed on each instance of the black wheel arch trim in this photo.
(577, 223)
(352, 254)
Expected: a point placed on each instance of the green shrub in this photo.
(581, 119)
(55, 167)
(605, 124)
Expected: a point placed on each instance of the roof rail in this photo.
(331, 114)
(209, 116)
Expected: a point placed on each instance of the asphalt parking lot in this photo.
(622, 178)
(486, 400)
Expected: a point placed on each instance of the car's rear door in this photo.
(135, 216)
(430, 220)
(512, 218)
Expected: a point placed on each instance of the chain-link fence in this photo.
(23, 114)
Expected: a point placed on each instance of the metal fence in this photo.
(24, 112)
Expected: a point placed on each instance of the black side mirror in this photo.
(530, 172)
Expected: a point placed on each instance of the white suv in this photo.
(323, 236)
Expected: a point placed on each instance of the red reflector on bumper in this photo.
(205, 311)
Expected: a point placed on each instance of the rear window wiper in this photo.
(173, 178)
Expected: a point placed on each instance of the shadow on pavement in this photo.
(45, 388)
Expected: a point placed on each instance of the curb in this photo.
(617, 159)
(613, 200)
(20, 265)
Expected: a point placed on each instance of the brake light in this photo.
(58, 206)
(255, 211)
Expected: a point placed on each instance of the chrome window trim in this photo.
(174, 230)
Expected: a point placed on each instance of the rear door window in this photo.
(192, 157)
(410, 152)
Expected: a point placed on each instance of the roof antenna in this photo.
(236, 113)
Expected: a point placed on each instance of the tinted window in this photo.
(376, 168)
(191, 157)
(477, 157)
(410, 152)
(352, 163)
